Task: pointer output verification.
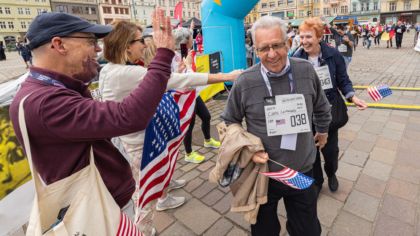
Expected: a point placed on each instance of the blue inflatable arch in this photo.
(223, 30)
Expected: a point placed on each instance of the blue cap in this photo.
(52, 24)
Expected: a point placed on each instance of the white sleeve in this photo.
(187, 80)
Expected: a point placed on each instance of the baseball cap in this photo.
(51, 24)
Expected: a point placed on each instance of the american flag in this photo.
(291, 178)
(379, 92)
(163, 137)
(127, 228)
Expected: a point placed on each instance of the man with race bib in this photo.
(331, 70)
(344, 43)
(281, 98)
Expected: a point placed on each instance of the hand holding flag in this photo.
(290, 177)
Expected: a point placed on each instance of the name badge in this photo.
(342, 48)
(324, 76)
(286, 114)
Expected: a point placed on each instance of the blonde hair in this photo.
(117, 42)
(313, 23)
(149, 52)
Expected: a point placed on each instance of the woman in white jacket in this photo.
(123, 49)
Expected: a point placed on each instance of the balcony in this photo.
(365, 12)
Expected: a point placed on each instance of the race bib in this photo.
(342, 48)
(324, 77)
(286, 114)
(399, 31)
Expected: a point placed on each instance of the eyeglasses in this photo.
(141, 40)
(274, 46)
(93, 40)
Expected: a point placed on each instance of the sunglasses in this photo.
(141, 40)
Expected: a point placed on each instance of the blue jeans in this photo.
(347, 60)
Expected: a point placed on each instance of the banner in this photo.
(209, 63)
(178, 12)
(16, 189)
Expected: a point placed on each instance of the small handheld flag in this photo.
(379, 92)
(290, 177)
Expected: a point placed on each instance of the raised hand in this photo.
(162, 30)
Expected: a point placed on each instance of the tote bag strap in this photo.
(27, 146)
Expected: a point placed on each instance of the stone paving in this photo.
(379, 168)
(12, 67)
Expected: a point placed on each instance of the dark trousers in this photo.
(398, 40)
(301, 208)
(330, 152)
(378, 39)
(204, 114)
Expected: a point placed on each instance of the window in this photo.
(326, 1)
(316, 12)
(316, 1)
(77, 10)
(11, 26)
(23, 24)
(108, 21)
(407, 5)
(290, 2)
(326, 11)
(263, 5)
(107, 10)
(392, 6)
(344, 9)
(38, 11)
(7, 10)
(335, 10)
(1, 10)
(354, 7)
(281, 2)
(375, 6)
(363, 6)
(126, 11)
(189, 14)
(60, 8)
(27, 11)
(2, 25)
(367, 6)
(301, 13)
(20, 11)
(171, 13)
(272, 4)
(113, 2)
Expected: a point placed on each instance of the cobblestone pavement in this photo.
(379, 168)
(12, 67)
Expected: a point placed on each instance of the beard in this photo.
(89, 70)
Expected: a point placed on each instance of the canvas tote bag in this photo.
(91, 210)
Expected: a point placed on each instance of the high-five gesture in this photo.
(162, 30)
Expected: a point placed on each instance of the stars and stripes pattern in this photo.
(127, 228)
(291, 178)
(379, 92)
(163, 137)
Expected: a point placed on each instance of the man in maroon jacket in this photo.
(63, 121)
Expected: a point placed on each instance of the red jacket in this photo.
(63, 123)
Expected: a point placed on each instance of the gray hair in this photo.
(268, 22)
(181, 35)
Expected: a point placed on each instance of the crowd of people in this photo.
(296, 68)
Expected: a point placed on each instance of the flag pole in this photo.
(277, 163)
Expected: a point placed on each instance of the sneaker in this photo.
(175, 184)
(194, 157)
(212, 143)
(170, 202)
(333, 183)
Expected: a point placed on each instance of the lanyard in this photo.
(267, 82)
(46, 79)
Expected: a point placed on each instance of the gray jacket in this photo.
(246, 101)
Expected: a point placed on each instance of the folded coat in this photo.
(250, 189)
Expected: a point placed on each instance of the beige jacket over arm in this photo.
(250, 189)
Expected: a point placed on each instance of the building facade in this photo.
(86, 9)
(110, 10)
(190, 8)
(142, 11)
(284, 9)
(16, 16)
(404, 10)
(365, 10)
